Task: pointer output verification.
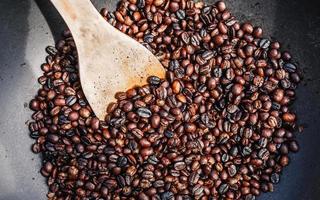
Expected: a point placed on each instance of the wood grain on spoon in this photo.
(109, 60)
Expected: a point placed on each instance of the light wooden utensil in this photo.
(109, 60)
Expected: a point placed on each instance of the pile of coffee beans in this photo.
(218, 127)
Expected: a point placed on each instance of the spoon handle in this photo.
(81, 18)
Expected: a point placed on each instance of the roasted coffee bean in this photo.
(179, 165)
(289, 67)
(181, 14)
(51, 50)
(293, 146)
(232, 170)
(223, 188)
(169, 133)
(275, 178)
(218, 40)
(144, 112)
(246, 151)
(122, 161)
(197, 190)
(148, 38)
(264, 43)
(263, 154)
(167, 196)
(289, 117)
(153, 160)
(218, 126)
(154, 80)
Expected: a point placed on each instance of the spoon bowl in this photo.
(109, 60)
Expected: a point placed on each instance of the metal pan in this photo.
(27, 26)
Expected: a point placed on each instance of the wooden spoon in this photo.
(109, 60)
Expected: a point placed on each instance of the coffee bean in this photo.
(148, 38)
(127, 107)
(176, 87)
(264, 43)
(250, 197)
(34, 105)
(137, 133)
(272, 121)
(247, 27)
(237, 89)
(246, 151)
(51, 50)
(71, 100)
(154, 80)
(294, 147)
(289, 117)
(155, 121)
(153, 160)
(84, 112)
(169, 133)
(179, 166)
(146, 152)
(263, 154)
(218, 40)
(53, 138)
(167, 196)
(278, 95)
(181, 14)
(223, 188)
(122, 161)
(197, 190)
(289, 67)
(275, 178)
(144, 112)
(232, 170)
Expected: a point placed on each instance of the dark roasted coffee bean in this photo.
(167, 196)
(218, 40)
(71, 100)
(179, 165)
(246, 151)
(232, 170)
(223, 188)
(154, 80)
(234, 151)
(51, 50)
(140, 3)
(53, 138)
(185, 37)
(275, 178)
(289, 67)
(181, 14)
(169, 133)
(264, 43)
(250, 197)
(194, 40)
(158, 183)
(294, 147)
(122, 161)
(263, 154)
(197, 190)
(144, 112)
(153, 160)
(225, 158)
(207, 55)
(148, 38)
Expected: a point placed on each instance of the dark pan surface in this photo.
(27, 26)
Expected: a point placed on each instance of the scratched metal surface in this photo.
(27, 26)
